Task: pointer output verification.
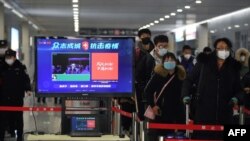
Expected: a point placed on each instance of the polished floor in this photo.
(48, 122)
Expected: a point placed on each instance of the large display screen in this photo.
(84, 66)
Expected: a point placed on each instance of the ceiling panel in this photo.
(55, 16)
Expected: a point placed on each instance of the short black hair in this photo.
(160, 38)
(207, 49)
(225, 40)
(144, 31)
(186, 47)
(169, 55)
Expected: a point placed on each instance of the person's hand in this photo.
(233, 101)
(186, 100)
(247, 90)
(156, 110)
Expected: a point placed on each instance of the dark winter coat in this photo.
(217, 87)
(187, 64)
(245, 82)
(144, 65)
(14, 81)
(172, 109)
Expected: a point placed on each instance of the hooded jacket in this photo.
(216, 89)
(169, 102)
(244, 66)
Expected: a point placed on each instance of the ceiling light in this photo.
(152, 24)
(161, 19)
(76, 18)
(246, 24)
(229, 27)
(156, 21)
(76, 30)
(75, 5)
(75, 9)
(187, 7)
(17, 13)
(147, 25)
(74, 1)
(198, 1)
(236, 26)
(167, 16)
(75, 12)
(172, 14)
(179, 10)
(212, 31)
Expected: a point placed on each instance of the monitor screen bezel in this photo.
(97, 123)
(83, 94)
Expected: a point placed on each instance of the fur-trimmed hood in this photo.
(181, 73)
(244, 51)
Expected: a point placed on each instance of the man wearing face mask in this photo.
(218, 80)
(186, 59)
(14, 83)
(144, 64)
(161, 48)
(242, 56)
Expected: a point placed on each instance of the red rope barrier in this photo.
(188, 140)
(37, 109)
(185, 127)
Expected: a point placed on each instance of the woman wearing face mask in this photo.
(218, 81)
(168, 108)
(242, 56)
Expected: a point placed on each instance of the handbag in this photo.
(149, 113)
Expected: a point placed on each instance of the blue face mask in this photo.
(169, 65)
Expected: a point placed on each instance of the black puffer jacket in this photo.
(14, 81)
(217, 87)
(170, 101)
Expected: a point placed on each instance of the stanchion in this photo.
(241, 116)
(117, 120)
(187, 120)
(142, 133)
(161, 138)
(134, 127)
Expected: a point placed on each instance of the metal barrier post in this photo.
(117, 120)
(241, 116)
(142, 133)
(187, 120)
(161, 138)
(134, 127)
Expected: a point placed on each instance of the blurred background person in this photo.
(242, 56)
(187, 60)
(245, 83)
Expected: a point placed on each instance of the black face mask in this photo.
(145, 41)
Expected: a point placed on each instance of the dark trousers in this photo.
(13, 120)
(141, 100)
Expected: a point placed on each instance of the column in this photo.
(1, 21)
(25, 44)
(202, 33)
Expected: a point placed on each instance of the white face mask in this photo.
(9, 61)
(223, 54)
(162, 51)
(187, 56)
(242, 58)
